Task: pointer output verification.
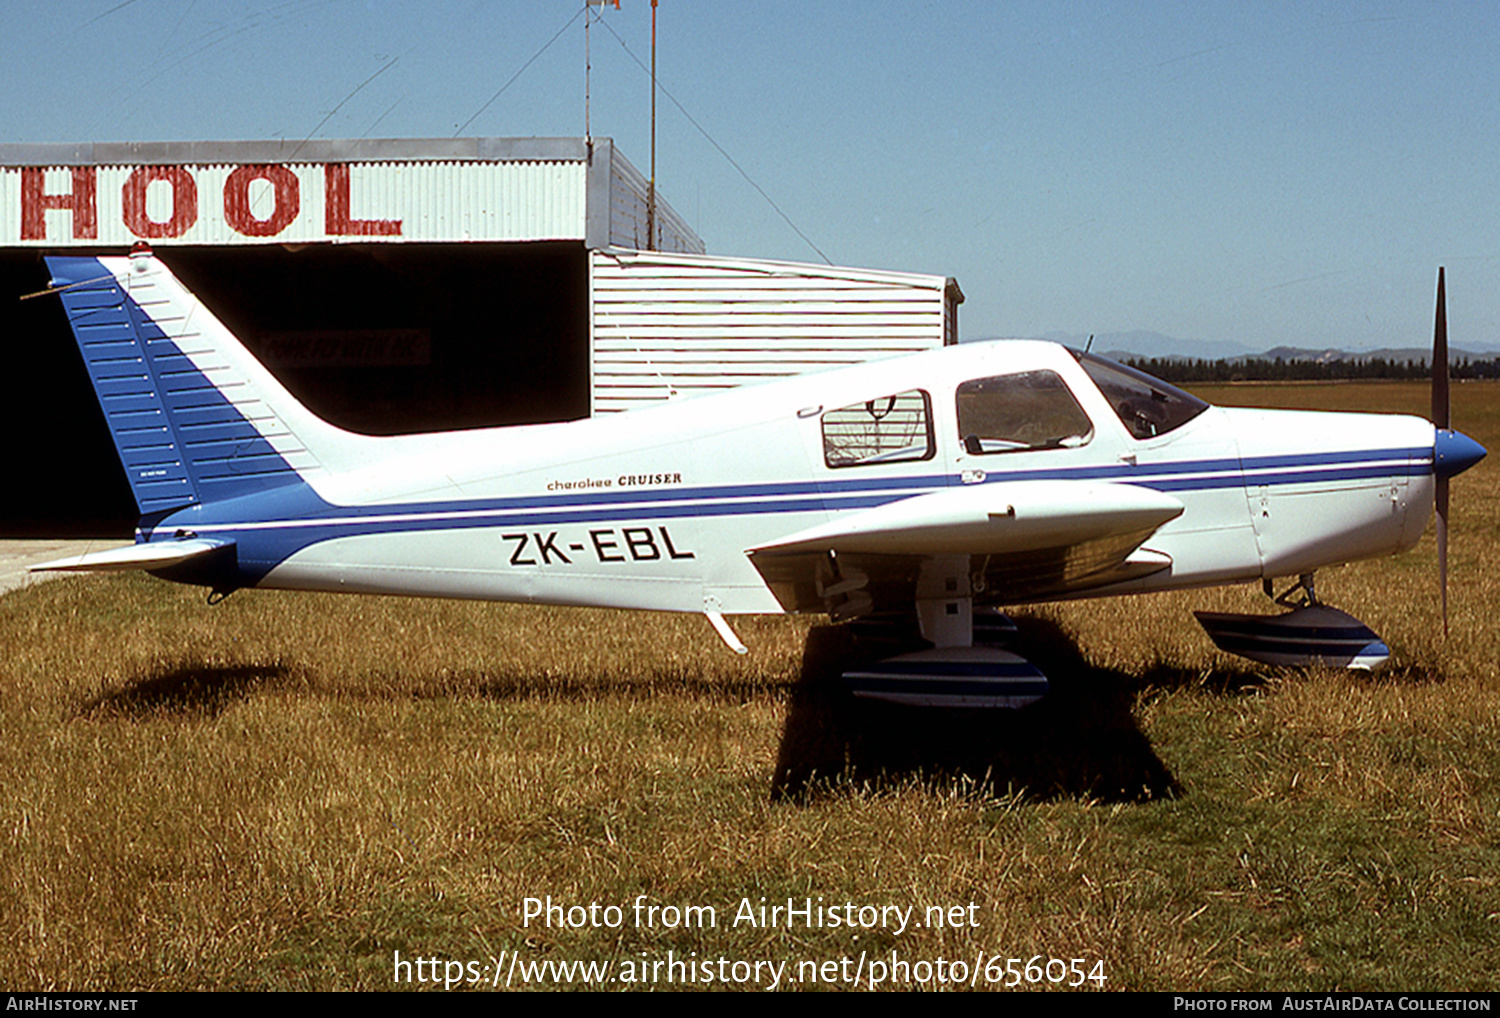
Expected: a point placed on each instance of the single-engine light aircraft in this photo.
(936, 486)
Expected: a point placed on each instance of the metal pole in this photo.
(588, 134)
(651, 189)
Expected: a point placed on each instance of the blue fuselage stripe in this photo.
(273, 525)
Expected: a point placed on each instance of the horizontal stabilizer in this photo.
(155, 555)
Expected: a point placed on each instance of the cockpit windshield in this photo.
(1147, 406)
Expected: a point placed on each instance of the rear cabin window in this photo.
(888, 429)
(1016, 413)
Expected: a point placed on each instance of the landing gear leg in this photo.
(945, 607)
(1289, 599)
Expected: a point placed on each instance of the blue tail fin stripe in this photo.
(180, 435)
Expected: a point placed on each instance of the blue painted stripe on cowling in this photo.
(1315, 459)
(1292, 469)
(153, 398)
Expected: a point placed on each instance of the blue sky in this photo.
(1254, 174)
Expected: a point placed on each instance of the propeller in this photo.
(1452, 452)
(1442, 421)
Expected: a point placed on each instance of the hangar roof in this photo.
(381, 190)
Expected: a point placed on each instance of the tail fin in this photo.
(194, 416)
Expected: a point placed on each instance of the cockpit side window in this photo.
(887, 429)
(1020, 412)
(1146, 406)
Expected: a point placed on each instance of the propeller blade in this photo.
(1440, 408)
(1442, 543)
(1441, 418)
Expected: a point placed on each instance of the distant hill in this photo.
(1409, 353)
(1143, 345)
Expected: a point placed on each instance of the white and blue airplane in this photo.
(935, 486)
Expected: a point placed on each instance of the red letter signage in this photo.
(35, 201)
(336, 205)
(284, 189)
(184, 201)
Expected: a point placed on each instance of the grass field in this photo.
(285, 790)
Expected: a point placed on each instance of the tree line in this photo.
(1279, 369)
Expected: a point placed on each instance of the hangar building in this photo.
(415, 285)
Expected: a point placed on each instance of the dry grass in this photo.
(282, 791)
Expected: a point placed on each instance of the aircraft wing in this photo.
(1024, 539)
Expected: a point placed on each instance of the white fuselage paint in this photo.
(667, 500)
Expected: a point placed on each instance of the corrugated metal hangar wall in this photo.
(399, 286)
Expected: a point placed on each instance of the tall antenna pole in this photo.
(588, 66)
(588, 134)
(651, 188)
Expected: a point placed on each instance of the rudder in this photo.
(194, 416)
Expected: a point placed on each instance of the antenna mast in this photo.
(588, 67)
(651, 188)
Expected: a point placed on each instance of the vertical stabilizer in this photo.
(194, 416)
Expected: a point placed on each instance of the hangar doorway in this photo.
(381, 339)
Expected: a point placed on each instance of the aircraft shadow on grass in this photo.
(186, 690)
(1079, 740)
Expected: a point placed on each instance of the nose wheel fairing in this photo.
(1311, 633)
(1306, 635)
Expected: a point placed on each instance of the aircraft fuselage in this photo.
(657, 508)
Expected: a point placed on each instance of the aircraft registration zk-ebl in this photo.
(936, 486)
